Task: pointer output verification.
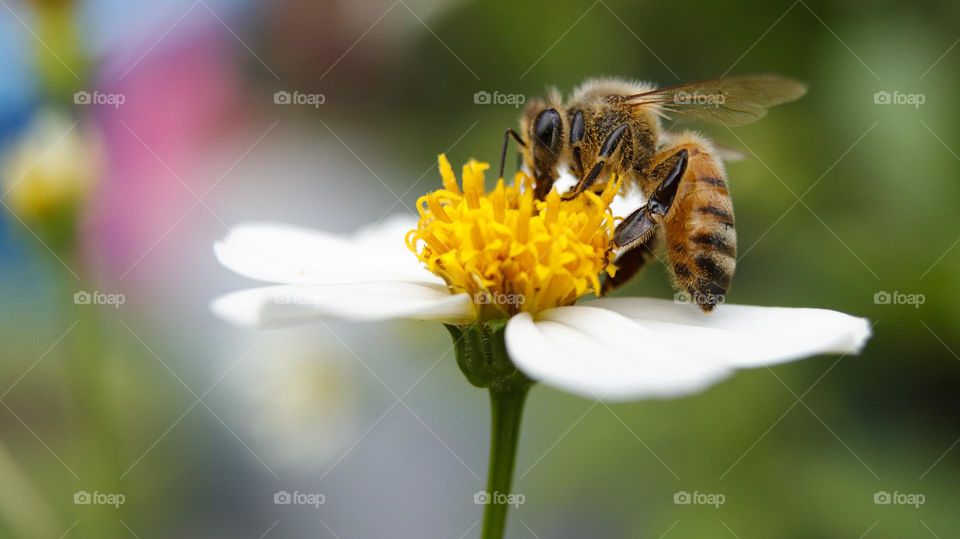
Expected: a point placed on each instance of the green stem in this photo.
(96, 436)
(506, 410)
(482, 356)
(60, 55)
(21, 505)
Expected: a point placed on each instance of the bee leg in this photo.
(629, 264)
(640, 225)
(506, 142)
(609, 146)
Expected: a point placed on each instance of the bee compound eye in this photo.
(547, 127)
(576, 127)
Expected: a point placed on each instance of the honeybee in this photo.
(614, 126)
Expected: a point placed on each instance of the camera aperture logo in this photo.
(498, 298)
(83, 297)
(899, 298)
(315, 499)
(84, 97)
(484, 97)
(498, 498)
(83, 497)
(699, 298)
(284, 97)
(698, 98)
(699, 498)
(883, 497)
(883, 97)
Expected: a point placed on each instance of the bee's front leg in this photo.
(610, 145)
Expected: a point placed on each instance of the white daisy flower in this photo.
(515, 268)
(504, 272)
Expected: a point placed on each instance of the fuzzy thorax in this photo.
(510, 252)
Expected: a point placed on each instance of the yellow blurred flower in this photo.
(49, 173)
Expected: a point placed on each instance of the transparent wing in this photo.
(728, 154)
(732, 101)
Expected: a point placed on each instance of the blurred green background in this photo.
(198, 425)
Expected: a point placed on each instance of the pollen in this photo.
(511, 252)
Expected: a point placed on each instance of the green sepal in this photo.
(482, 356)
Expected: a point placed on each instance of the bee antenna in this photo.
(506, 142)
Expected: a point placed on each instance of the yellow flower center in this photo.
(513, 253)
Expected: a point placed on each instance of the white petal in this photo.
(295, 304)
(624, 204)
(745, 336)
(293, 255)
(600, 354)
(565, 181)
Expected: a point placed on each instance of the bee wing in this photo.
(732, 101)
(729, 154)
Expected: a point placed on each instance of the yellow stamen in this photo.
(513, 253)
(446, 173)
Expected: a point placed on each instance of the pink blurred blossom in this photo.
(180, 98)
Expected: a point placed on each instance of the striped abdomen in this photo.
(699, 229)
